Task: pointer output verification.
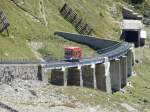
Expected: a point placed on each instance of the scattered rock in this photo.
(128, 107)
(134, 73)
(33, 92)
(6, 54)
(123, 90)
(12, 37)
(129, 84)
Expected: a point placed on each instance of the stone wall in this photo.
(8, 72)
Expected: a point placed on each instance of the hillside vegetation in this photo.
(142, 6)
(36, 21)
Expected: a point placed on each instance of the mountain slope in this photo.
(36, 20)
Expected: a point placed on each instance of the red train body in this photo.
(72, 53)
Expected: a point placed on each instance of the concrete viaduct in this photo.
(108, 71)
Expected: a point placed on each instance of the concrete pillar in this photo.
(81, 76)
(133, 55)
(115, 74)
(123, 68)
(44, 75)
(40, 73)
(103, 76)
(94, 76)
(65, 76)
(130, 62)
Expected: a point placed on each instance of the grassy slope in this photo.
(25, 28)
(142, 8)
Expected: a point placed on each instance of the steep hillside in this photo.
(36, 21)
(142, 6)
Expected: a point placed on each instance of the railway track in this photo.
(112, 51)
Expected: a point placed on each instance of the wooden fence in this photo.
(75, 20)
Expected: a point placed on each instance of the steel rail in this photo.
(112, 54)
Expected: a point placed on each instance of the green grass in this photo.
(25, 28)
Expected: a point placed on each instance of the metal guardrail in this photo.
(102, 51)
(121, 50)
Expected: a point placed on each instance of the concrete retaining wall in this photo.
(8, 72)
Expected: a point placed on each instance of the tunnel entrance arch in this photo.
(132, 32)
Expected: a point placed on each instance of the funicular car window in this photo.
(74, 53)
(68, 52)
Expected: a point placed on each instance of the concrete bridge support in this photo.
(81, 76)
(57, 77)
(123, 68)
(42, 76)
(130, 61)
(115, 75)
(74, 76)
(65, 76)
(103, 77)
(94, 76)
(87, 73)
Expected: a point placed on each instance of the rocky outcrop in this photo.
(131, 15)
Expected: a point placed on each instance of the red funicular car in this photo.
(72, 53)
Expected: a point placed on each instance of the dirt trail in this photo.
(34, 50)
(42, 11)
(35, 18)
